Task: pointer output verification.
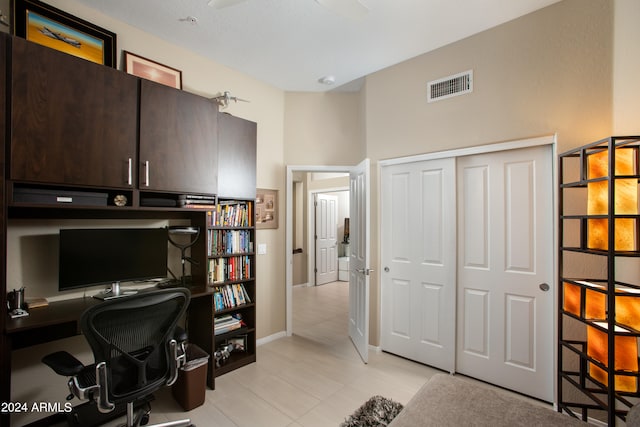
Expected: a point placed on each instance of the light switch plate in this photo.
(262, 248)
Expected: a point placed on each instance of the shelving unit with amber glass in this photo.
(599, 269)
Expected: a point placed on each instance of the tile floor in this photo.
(314, 378)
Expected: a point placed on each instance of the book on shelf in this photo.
(224, 242)
(231, 214)
(230, 296)
(196, 201)
(37, 302)
(227, 323)
(229, 269)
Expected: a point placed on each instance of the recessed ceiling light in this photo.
(327, 80)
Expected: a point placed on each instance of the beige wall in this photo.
(549, 71)
(626, 63)
(323, 129)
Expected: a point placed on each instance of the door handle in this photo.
(544, 287)
(365, 271)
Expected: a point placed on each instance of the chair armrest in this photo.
(63, 363)
(179, 334)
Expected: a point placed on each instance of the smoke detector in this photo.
(327, 80)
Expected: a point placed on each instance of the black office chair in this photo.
(136, 352)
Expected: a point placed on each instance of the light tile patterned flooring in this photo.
(314, 378)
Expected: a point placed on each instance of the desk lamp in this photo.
(193, 233)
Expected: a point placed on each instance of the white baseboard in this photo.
(270, 338)
(301, 285)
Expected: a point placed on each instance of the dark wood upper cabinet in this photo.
(236, 157)
(73, 122)
(178, 141)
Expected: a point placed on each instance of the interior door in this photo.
(360, 262)
(326, 238)
(505, 269)
(418, 282)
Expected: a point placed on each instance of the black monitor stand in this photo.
(114, 292)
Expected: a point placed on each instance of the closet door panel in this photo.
(419, 224)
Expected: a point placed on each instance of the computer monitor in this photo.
(111, 255)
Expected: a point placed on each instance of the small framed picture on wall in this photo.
(266, 208)
(151, 70)
(43, 24)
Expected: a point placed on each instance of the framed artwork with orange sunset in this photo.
(43, 24)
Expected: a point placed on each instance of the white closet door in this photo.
(418, 283)
(505, 254)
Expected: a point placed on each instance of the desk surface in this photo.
(55, 313)
(65, 311)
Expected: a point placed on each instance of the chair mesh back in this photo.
(132, 334)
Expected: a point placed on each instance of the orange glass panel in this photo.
(572, 298)
(626, 200)
(595, 305)
(626, 357)
(628, 310)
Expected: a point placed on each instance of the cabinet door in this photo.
(178, 141)
(73, 122)
(236, 157)
(5, 353)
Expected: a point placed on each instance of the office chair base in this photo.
(140, 417)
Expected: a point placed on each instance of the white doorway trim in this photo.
(480, 149)
(289, 231)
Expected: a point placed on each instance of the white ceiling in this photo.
(290, 44)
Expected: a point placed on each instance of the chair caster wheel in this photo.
(144, 420)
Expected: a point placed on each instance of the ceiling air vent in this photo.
(446, 87)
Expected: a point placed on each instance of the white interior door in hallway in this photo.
(360, 262)
(326, 236)
(467, 297)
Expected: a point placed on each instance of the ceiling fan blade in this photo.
(349, 8)
(221, 4)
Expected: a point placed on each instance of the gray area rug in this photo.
(375, 412)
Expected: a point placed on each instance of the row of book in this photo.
(227, 323)
(229, 269)
(222, 242)
(231, 214)
(230, 296)
(196, 201)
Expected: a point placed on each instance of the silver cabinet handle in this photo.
(130, 173)
(146, 173)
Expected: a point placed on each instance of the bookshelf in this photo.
(599, 299)
(231, 276)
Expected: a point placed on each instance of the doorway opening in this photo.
(320, 205)
(359, 265)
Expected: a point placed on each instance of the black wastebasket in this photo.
(191, 385)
